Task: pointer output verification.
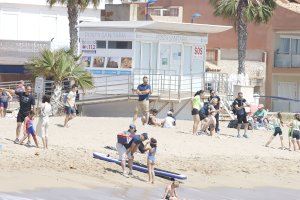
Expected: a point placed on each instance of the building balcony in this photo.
(285, 60)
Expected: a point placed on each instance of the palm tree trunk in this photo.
(56, 100)
(242, 36)
(73, 19)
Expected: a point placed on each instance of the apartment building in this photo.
(273, 53)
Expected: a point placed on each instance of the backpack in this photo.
(204, 109)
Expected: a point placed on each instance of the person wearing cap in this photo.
(143, 91)
(169, 121)
(128, 150)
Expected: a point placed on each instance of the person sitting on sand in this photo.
(277, 124)
(210, 120)
(152, 118)
(30, 129)
(151, 159)
(295, 125)
(169, 121)
(126, 151)
(170, 191)
(260, 116)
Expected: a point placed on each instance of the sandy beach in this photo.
(208, 162)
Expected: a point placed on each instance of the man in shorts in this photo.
(127, 151)
(239, 105)
(144, 91)
(27, 103)
(70, 105)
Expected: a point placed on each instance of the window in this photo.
(101, 44)
(208, 86)
(119, 44)
(284, 45)
(295, 46)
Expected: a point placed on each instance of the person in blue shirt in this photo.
(143, 91)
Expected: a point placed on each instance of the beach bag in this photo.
(233, 123)
(123, 138)
(204, 110)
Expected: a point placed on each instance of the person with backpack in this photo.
(197, 104)
(239, 105)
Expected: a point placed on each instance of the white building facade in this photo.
(26, 26)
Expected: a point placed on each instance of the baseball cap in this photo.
(145, 135)
(132, 126)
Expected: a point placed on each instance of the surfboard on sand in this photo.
(141, 168)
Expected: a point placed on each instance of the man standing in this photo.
(144, 91)
(27, 103)
(239, 105)
(217, 107)
(70, 105)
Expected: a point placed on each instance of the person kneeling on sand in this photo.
(170, 191)
(126, 151)
(29, 129)
(210, 120)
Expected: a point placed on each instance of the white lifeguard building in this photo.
(172, 55)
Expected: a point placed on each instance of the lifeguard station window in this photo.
(120, 44)
(101, 44)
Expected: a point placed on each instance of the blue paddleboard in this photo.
(158, 172)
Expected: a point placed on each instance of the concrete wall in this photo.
(126, 109)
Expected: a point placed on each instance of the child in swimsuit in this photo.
(29, 129)
(295, 133)
(151, 159)
(170, 191)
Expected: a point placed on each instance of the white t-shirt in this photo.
(71, 99)
(169, 121)
(46, 111)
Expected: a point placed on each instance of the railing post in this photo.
(179, 87)
(169, 87)
(105, 86)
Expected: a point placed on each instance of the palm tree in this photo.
(60, 65)
(74, 7)
(242, 12)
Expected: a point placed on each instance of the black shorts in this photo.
(195, 111)
(242, 119)
(296, 134)
(21, 116)
(202, 116)
(277, 131)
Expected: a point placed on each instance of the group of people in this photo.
(129, 143)
(206, 113)
(28, 111)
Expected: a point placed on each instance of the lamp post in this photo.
(149, 2)
(194, 16)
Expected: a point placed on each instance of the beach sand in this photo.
(208, 162)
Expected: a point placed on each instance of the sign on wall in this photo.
(198, 52)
